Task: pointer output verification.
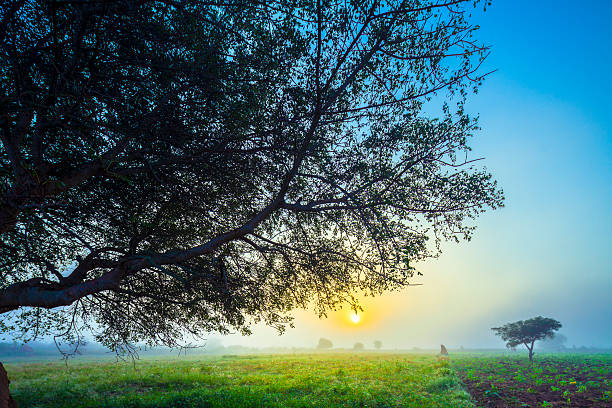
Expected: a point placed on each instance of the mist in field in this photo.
(464, 293)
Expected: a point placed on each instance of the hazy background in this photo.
(547, 137)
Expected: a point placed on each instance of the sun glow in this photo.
(355, 318)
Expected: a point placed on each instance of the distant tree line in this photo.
(325, 344)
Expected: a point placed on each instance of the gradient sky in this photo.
(547, 137)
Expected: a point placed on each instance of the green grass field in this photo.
(317, 380)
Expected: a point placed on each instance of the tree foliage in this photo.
(324, 344)
(527, 332)
(172, 167)
(377, 344)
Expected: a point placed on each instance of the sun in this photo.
(355, 318)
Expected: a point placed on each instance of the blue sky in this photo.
(547, 136)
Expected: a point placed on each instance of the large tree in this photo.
(172, 167)
(527, 332)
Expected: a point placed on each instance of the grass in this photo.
(364, 379)
(311, 380)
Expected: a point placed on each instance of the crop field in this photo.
(559, 381)
(318, 380)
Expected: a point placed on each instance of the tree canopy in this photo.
(527, 332)
(179, 167)
(324, 343)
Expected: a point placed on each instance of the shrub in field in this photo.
(441, 384)
(358, 346)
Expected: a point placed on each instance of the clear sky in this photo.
(547, 136)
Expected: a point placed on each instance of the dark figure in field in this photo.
(443, 351)
(6, 401)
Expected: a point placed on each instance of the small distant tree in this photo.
(358, 346)
(324, 344)
(527, 332)
(377, 344)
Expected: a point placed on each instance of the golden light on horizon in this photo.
(372, 314)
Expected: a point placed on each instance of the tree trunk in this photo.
(531, 352)
(6, 401)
